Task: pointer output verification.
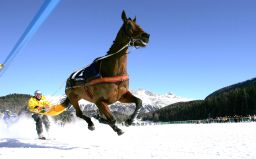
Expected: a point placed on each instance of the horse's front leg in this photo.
(79, 113)
(110, 120)
(130, 98)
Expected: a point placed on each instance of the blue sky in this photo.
(195, 48)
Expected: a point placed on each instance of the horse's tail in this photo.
(65, 102)
(59, 108)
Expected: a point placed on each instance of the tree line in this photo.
(238, 99)
(14, 102)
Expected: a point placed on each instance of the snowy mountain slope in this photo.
(151, 102)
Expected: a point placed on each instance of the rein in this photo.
(108, 79)
(130, 43)
(106, 56)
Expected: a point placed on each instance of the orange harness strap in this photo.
(109, 79)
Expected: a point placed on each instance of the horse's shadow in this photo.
(15, 143)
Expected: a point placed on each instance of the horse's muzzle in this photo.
(145, 37)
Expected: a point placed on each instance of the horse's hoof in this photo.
(120, 132)
(128, 122)
(91, 127)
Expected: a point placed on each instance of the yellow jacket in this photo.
(39, 106)
(44, 107)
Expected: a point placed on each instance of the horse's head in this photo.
(137, 36)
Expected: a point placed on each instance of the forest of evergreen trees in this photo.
(14, 102)
(235, 100)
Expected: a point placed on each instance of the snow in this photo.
(184, 141)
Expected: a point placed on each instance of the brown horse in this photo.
(111, 82)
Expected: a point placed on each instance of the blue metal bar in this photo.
(45, 10)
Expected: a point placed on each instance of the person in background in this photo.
(6, 117)
(38, 105)
(9, 117)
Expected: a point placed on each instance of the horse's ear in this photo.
(124, 16)
(134, 19)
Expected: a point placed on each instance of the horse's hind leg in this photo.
(111, 121)
(129, 98)
(79, 113)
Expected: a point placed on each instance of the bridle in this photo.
(132, 41)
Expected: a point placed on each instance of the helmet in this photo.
(38, 92)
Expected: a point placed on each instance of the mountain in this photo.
(150, 102)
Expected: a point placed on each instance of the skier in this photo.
(38, 105)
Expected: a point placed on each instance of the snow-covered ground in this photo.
(184, 141)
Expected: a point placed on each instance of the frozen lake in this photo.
(177, 141)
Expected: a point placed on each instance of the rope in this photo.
(60, 87)
(106, 56)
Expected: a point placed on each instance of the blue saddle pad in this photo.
(88, 73)
(93, 70)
